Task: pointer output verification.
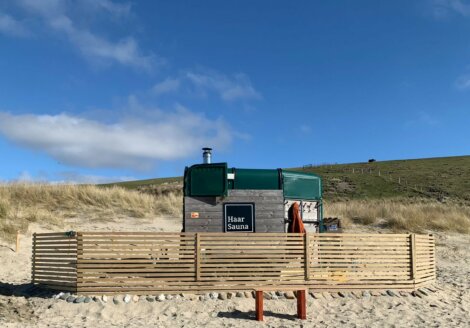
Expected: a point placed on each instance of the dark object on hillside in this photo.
(332, 225)
(372, 160)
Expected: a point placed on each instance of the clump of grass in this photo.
(50, 205)
(403, 215)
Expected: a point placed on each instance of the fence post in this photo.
(198, 257)
(307, 255)
(17, 241)
(413, 257)
(33, 266)
(79, 257)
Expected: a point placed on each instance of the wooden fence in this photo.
(151, 262)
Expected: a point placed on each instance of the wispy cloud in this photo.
(463, 83)
(12, 27)
(442, 8)
(135, 143)
(202, 82)
(57, 16)
(229, 88)
(168, 85)
(116, 9)
(68, 177)
(422, 118)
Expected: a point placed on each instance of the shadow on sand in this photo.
(24, 290)
(251, 315)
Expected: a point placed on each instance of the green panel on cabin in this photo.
(207, 180)
(256, 179)
(298, 185)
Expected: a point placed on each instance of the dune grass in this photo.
(50, 205)
(403, 215)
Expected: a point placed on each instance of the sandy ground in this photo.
(22, 306)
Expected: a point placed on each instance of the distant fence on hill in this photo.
(152, 262)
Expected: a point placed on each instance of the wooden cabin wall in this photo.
(269, 210)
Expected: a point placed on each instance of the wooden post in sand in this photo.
(17, 241)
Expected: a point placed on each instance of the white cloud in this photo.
(228, 88)
(55, 14)
(167, 86)
(136, 143)
(11, 26)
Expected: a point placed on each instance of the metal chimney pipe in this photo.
(207, 155)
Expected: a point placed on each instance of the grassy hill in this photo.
(435, 178)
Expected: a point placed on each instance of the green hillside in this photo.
(437, 178)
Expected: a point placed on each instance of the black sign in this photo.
(239, 217)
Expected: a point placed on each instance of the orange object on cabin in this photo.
(296, 224)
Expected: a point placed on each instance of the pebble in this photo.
(416, 294)
(357, 294)
(151, 298)
(222, 296)
(240, 294)
(342, 294)
(403, 293)
(279, 294)
(64, 296)
(87, 299)
(96, 299)
(366, 294)
(169, 297)
(70, 299)
(326, 296)
(273, 296)
(289, 295)
(58, 295)
(80, 299)
(127, 298)
(334, 295)
(214, 295)
(433, 305)
(316, 295)
(161, 297)
(248, 294)
(267, 296)
(104, 298)
(391, 293)
(230, 295)
(419, 292)
(423, 291)
(135, 298)
(116, 300)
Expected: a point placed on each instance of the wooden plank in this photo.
(307, 256)
(198, 257)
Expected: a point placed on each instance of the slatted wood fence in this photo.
(151, 262)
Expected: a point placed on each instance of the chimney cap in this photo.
(206, 148)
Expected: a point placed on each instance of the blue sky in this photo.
(100, 90)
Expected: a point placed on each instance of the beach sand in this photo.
(448, 305)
